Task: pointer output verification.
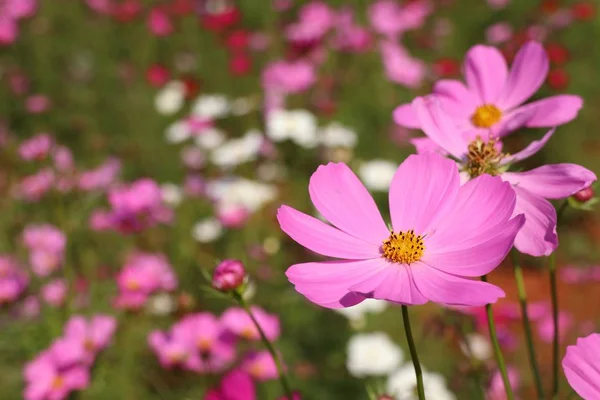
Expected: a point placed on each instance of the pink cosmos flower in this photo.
(11, 11)
(46, 244)
(173, 351)
(314, 21)
(260, 365)
(491, 102)
(496, 390)
(101, 177)
(55, 292)
(479, 154)
(442, 234)
(288, 77)
(63, 159)
(388, 18)
(236, 385)
(37, 104)
(349, 36)
(232, 215)
(545, 326)
(500, 32)
(401, 67)
(56, 372)
(36, 148)
(33, 187)
(582, 366)
(94, 334)
(13, 280)
(237, 321)
(159, 22)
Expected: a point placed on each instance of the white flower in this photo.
(299, 126)
(242, 106)
(377, 174)
(477, 346)
(171, 193)
(337, 135)
(241, 192)
(372, 354)
(207, 230)
(358, 311)
(161, 304)
(170, 98)
(177, 132)
(210, 138)
(238, 151)
(402, 385)
(211, 106)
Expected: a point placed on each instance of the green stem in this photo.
(413, 353)
(497, 349)
(527, 324)
(554, 297)
(282, 376)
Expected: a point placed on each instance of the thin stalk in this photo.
(283, 379)
(554, 298)
(413, 353)
(527, 324)
(497, 349)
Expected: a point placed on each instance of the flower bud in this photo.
(229, 275)
(385, 397)
(584, 195)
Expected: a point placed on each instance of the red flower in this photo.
(192, 87)
(446, 67)
(557, 53)
(218, 22)
(240, 64)
(157, 75)
(238, 40)
(558, 79)
(127, 10)
(583, 11)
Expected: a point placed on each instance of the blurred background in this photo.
(98, 94)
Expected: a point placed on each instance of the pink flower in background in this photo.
(55, 292)
(498, 4)
(582, 366)
(389, 18)
(288, 77)
(232, 216)
(401, 67)
(37, 104)
(13, 280)
(314, 21)
(11, 11)
(159, 22)
(46, 245)
(33, 187)
(236, 385)
(260, 365)
(158, 75)
(173, 351)
(498, 33)
(36, 148)
(30, 308)
(477, 154)
(55, 373)
(102, 177)
(348, 35)
(545, 326)
(100, 6)
(490, 104)
(496, 390)
(238, 322)
(142, 275)
(94, 334)
(63, 159)
(420, 260)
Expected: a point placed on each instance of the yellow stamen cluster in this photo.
(58, 382)
(403, 247)
(486, 115)
(483, 158)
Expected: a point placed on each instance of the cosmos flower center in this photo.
(486, 115)
(89, 345)
(483, 158)
(403, 247)
(58, 382)
(204, 344)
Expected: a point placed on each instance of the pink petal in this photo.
(485, 72)
(530, 150)
(394, 283)
(554, 181)
(527, 74)
(439, 126)
(405, 115)
(328, 283)
(343, 200)
(538, 235)
(8, 30)
(421, 191)
(324, 239)
(553, 111)
(457, 99)
(426, 145)
(581, 366)
(77, 378)
(440, 287)
(237, 385)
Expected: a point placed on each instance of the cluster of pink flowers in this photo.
(65, 366)
(203, 343)
(143, 275)
(134, 208)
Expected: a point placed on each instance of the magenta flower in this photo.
(260, 365)
(582, 366)
(314, 21)
(388, 18)
(349, 36)
(55, 292)
(401, 67)
(33, 187)
(46, 245)
(236, 385)
(11, 11)
(491, 102)
(287, 77)
(496, 390)
(56, 372)
(229, 275)
(478, 155)
(13, 280)
(102, 177)
(159, 22)
(442, 234)
(238, 322)
(36, 148)
(173, 351)
(94, 335)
